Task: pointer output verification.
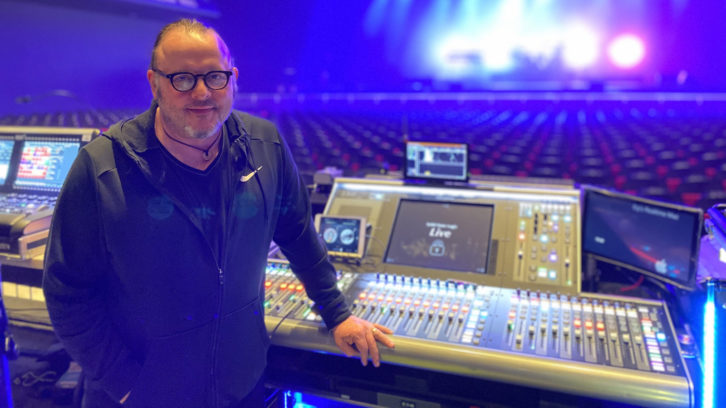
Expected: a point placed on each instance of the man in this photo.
(155, 264)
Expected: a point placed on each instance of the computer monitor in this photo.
(6, 153)
(660, 240)
(436, 161)
(37, 159)
(344, 236)
(44, 164)
(441, 235)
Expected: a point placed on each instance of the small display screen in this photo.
(45, 164)
(6, 153)
(441, 235)
(343, 236)
(437, 161)
(658, 239)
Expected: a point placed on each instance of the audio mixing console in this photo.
(611, 348)
(495, 234)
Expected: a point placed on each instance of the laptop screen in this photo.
(437, 161)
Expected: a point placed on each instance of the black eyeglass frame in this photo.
(196, 78)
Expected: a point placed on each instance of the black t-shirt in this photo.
(205, 192)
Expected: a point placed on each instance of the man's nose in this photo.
(200, 90)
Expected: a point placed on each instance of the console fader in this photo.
(612, 348)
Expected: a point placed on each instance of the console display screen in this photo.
(343, 236)
(441, 235)
(44, 164)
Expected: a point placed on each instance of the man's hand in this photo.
(362, 334)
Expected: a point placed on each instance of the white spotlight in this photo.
(580, 47)
(626, 51)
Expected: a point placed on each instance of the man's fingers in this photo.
(381, 336)
(345, 347)
(362, 344)
(371, 337)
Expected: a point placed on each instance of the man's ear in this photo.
(152, 82)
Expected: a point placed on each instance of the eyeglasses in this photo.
(186, 81)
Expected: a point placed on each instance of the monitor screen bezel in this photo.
(686, 284)
(360, 250)
(487, 259)
(435, 180)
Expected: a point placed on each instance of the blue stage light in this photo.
(709, 349)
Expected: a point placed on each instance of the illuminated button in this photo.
(372, 296)
(417, 302)
(407, 301)
(661, 336)
(553, 274)
(567, 218)
(268, 284)
(380, 298)
(445, 306)
(300, 288)
(522, 236)
(283, 286)
(455, 307)
(426, 303)
(512, 314)
(544, 239)
(542, 272)
(578, 323)
(600, 326)
(436, 305)
(389, 299)
(362, 295)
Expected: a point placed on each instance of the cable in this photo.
(634, 285)
(282, 319)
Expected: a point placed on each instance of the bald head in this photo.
(193, 29)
